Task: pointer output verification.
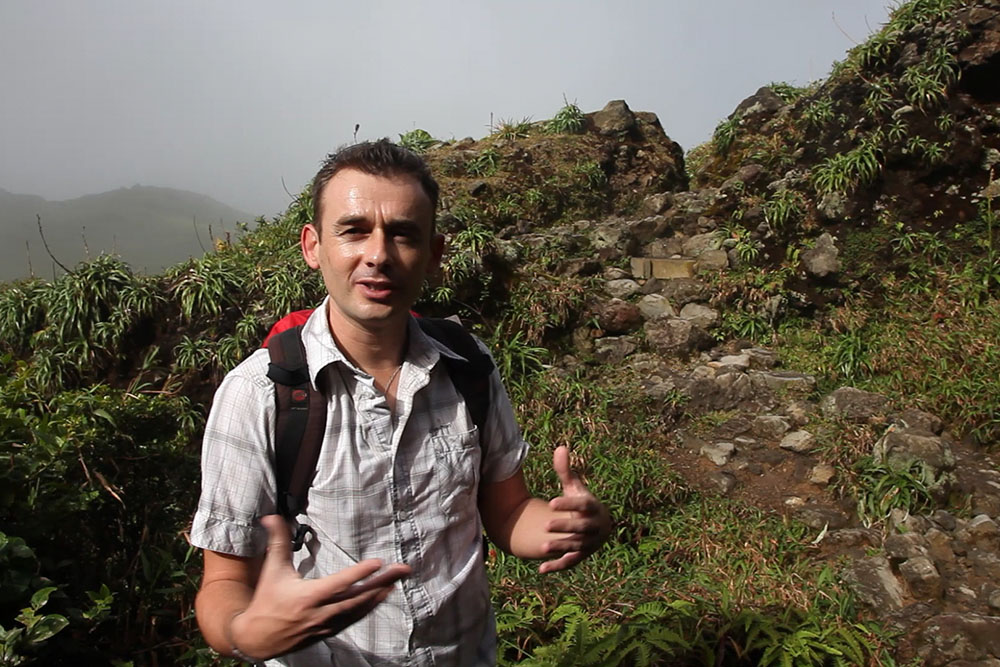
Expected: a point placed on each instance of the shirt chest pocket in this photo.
(456, 471)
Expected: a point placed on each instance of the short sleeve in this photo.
(503, 447)
(237, 483)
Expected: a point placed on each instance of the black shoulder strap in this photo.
(299, 426)
(470, 377)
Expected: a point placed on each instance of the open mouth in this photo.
(376, 290)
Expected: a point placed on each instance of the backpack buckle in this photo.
(301, 530)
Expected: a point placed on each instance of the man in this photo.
(404, 476)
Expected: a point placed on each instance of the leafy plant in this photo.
(484, 164)
(818, 113)
(784, 206)
(725, 134)
(417, 140)
(568, 120)
(511, 129)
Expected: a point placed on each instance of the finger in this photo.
(279, 542)
(339, 615)
(579, 526)
(564, 545)
(566, 561)
(584, 503)
(560, 463)
(387, 578)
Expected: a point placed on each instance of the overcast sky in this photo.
(229, 98)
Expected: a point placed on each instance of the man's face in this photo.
(374, 247)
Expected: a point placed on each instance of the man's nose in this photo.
(377, 247)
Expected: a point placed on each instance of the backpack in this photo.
(301, 411)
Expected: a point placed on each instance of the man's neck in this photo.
(373, 349)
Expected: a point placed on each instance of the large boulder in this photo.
(853, 405)
(614, 119)
(676, 336)
(822, 260)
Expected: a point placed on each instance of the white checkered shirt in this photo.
(402, 489)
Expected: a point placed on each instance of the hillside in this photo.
(773, 357)
(151, 228)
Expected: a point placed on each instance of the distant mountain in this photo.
(150, 227)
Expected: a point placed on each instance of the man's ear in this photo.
(309, 240)
(437, 252)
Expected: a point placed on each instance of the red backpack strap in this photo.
(290, 320)
(299, 428)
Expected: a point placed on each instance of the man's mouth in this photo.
(377, 290)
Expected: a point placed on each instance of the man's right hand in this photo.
(287, 611)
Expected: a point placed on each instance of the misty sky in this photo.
(229, 98)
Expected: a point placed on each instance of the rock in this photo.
(872, 581)
(783, 382)
(723, 481)
(663, 268)
(614, 273)
(654, 305)
(621, 288)
(721, 392)
(852, 404)
(994, 599)
(712, 260)
(675, 336)
(612, 236)
(901, 449)
(822, 474)
(663, 248)
(797, 413)
(903, 546)
(739, 362)
(476, 188)
(702, 316)
(718, 453)
(762, 359)
(763, 103)
(819, 517)
(847, 538)
(832, 207)
(656, 204)
(770, 427)
(798, 441)
(618, 317)
(904, 522)
(614, 119)
(646, 229)
(944, 519)
(699, 243)
(946, 638)
(822, 260)
(939, 546)
(981, 532)
(614, 349)
(682, 291)
(922, 577)
(919, 420)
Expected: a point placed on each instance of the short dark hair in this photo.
(377, 158)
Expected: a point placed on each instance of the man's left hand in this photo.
(585, 525)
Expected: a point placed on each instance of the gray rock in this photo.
(994, 599)
(663, 248)
(819, 517)
(848, 538)
(903, 546)
(783, 382)
(721, 392)
(712, 261)
(901, 449)
(614, 273)
(703, 316)
(761, 358)
(614, 349)
(922, 577)
(740, 362)
(904, 522)
(621, 288)
(654, 305)
(770, 427)
(981, 532)
(718, 453)
(797, 413)
(852, 404)
(674, 336)
(944, 519)
(939, 546)
(614, 119)
(656, 204)
(646, 229)
(699, 243)
(872, 581)
(723, 481)
(682, 291)
(918, 420)
(832, 207)
(946, 638)
(761, 104)
(798, 441)
(822, 474)
(822, 260)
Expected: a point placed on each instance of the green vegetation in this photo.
(417, 140)
(511, 129)
(568, 120)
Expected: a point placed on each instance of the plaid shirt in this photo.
(401, 488)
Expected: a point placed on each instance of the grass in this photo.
(568, 120)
